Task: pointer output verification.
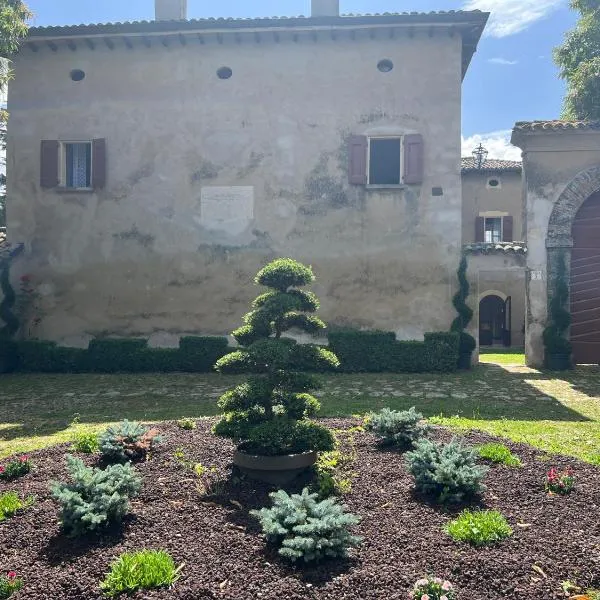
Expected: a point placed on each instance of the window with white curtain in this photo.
(77, 161)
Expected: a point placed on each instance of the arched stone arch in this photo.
(580, 188)
(498, 293)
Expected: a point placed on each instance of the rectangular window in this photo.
(77, 165)
(385, 161)
(493, 230)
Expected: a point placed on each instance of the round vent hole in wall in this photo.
(224, 73)
(385, 65)
(77, 75)
(494, 183)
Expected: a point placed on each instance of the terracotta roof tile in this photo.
(556, 125)
(491, 165)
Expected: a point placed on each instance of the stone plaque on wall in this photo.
(227, 208)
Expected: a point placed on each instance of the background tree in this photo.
(268, 415)
(13, 27)
(579, 61)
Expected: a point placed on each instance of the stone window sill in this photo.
(66, 190)
(375, 186)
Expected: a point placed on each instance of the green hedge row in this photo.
(194, 355)
(380, 351)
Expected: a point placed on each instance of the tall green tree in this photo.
(13, 27)
(579, 61)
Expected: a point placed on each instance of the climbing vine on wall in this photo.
(560, 318)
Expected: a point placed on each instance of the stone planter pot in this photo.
(277, 470)
(558, 362)
(464, 360)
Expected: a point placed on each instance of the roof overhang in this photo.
(468, 24)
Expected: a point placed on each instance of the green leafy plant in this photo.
(268, 415)
(593, 594)
(397, 428)
(86, 442)
(554, 334)
(186, 424)
(143, 570)
(560, 482)
(96, 497)
(9, 584)
(307, 529)
(210, 483)
(128, 440)
(479, 527)
(332, 477)
(17, 467)
(448, 472)
(11, 504)
(499, 453)
(465, 313)
(433, 588)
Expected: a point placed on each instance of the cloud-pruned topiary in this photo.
(268, 415)
(447, 472)
(306, 529)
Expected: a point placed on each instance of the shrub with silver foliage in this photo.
(398, 428)
(306, 529)
(448, 472)
(96, 497)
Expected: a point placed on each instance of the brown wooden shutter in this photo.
(49, 164)
(413, 159)
(507, 229)
(357, 160)
(99, 163)
(479, 229)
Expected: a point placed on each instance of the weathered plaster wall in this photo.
(551, 160)
(141, 258)
(477, 198)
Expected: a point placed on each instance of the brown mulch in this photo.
(555, 538)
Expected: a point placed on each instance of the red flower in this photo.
(1, 469)
(11, 575)
(24, 458)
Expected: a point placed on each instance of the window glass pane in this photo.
(384, 161)
(78, 159)
(493, 230)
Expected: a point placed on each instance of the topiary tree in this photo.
(268, 415)
(465, 314)
(554, 336)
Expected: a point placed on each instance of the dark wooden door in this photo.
(585, 283)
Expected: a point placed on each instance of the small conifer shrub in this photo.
(307, 529)
(11, 504)
(499, 453)
(143, 570)
(15, 468)
(447, 472)
(86, 442)
(96, 497)
(433, 588)
(479, 527)
(9, 584)
(269, 414)
(128, 440)
(397, 428)
(186, 424)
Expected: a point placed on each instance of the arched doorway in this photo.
(585, 283)
(492, 320)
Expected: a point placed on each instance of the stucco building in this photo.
(155, 166)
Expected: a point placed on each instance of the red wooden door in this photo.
(585, 283)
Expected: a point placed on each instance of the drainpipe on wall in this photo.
(170, 10)
(325, 8)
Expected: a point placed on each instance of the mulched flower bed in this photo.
(555, 539)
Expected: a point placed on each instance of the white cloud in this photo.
(502, 61)
(497, 143)
(512, 16)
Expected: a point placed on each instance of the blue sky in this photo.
(512, 77)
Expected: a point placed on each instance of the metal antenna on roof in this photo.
(480, 155)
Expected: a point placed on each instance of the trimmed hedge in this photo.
(380, 351)
(194, 355)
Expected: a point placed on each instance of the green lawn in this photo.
(504, 358)
(557, 413)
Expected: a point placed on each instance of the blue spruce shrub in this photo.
(307, 529)
(398, 428)
(448, 472)
(96, 497)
